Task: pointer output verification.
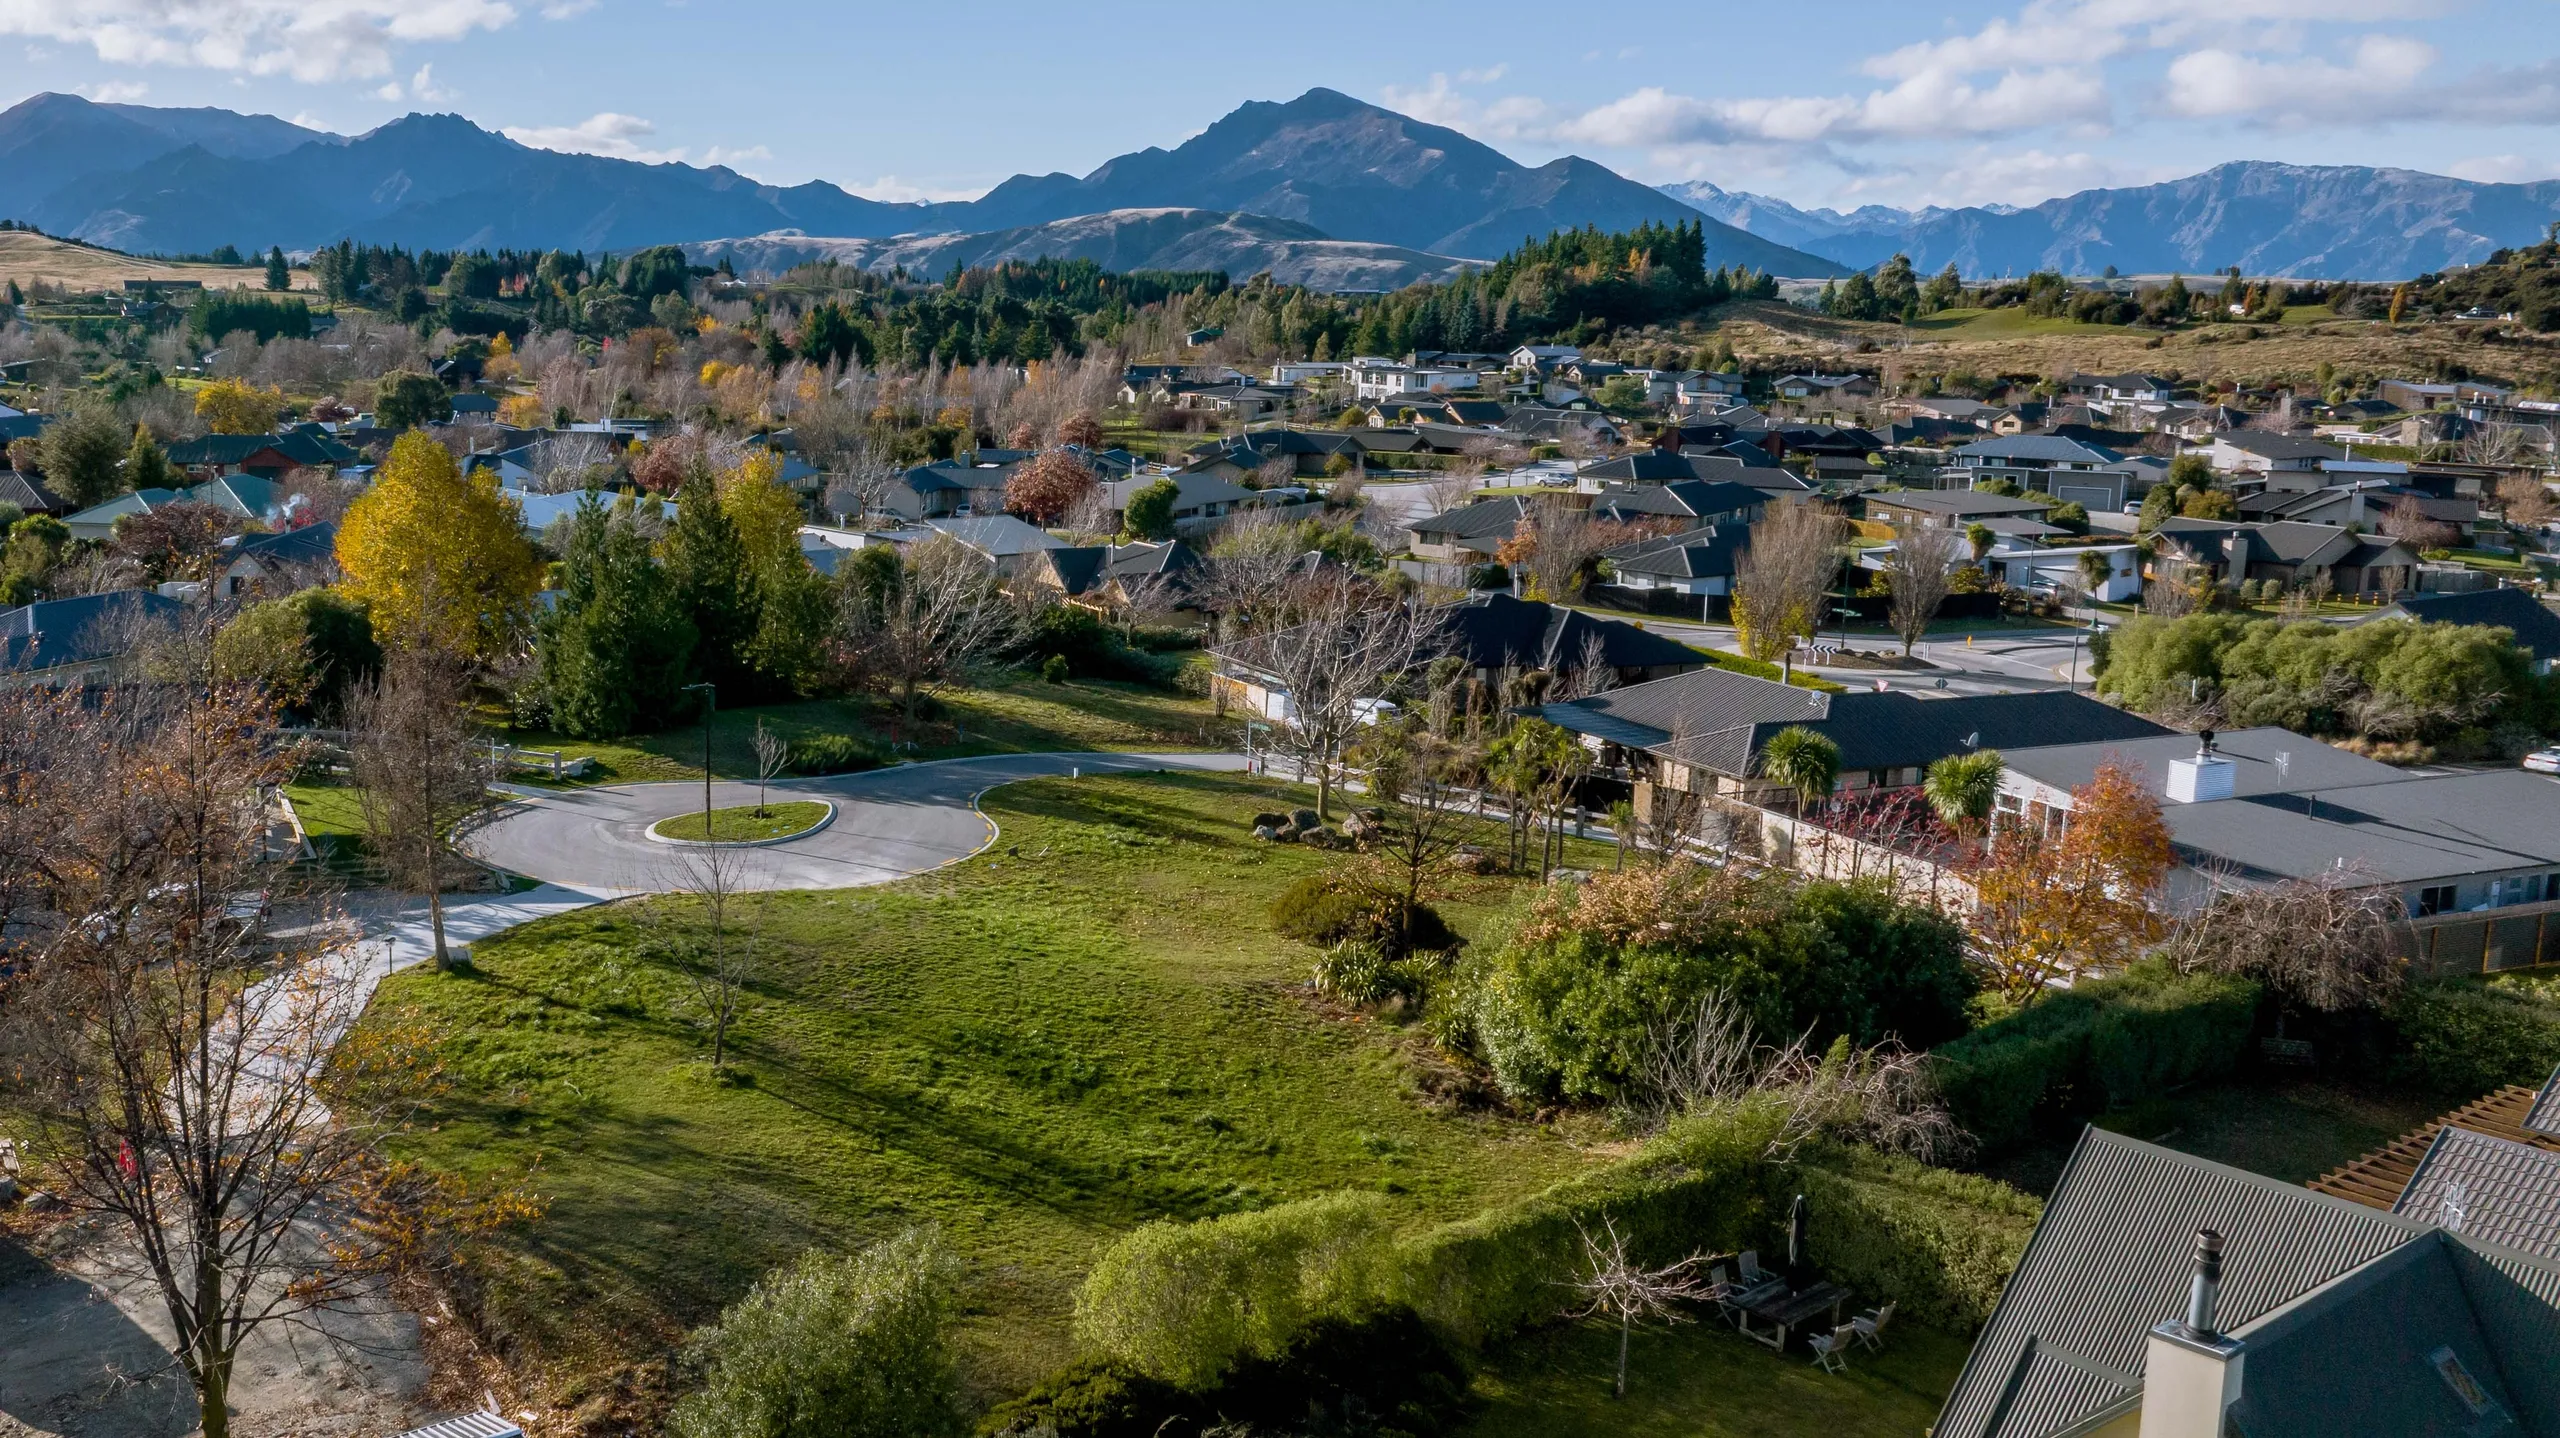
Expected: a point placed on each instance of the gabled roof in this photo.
(2046, 448)
(57, 632)
(245, 495)
(1699, 554)
(1496, 631)
(298, 446)
(942, 474)
(2537, 628)
(997, 536)
(133, 501)
(1499, 515)
(1145, 560)
(30, 498)
(1077, 567)
(1957, 502)
(312, 543)
(2496, 1189)
(1683, 499)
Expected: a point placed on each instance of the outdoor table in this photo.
(1783, 1311)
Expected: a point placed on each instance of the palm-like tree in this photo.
(1802, 760)
(1963, 787)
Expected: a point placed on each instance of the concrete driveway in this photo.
(889, 823)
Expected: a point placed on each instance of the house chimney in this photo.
(2192, 1371)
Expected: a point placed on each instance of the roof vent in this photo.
(2206, 1289)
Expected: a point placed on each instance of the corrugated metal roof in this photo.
(468, 1425)
(2544, 1116)
(2112, 1257)
(2489, 1188)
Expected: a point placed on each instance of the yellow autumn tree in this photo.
(439, 556)
(232, 406)
(766, 515)
(501, 364)
(2053, 903)
(522, 411)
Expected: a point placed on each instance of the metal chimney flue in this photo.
(2206, 1288)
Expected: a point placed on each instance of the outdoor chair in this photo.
(1752, 1275)
(1721, 1288)
(1831, 1350)
(1871, 1324)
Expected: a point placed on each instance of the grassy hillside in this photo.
(28, 257)
(1088, 1027)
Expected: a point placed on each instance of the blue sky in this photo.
(1840, 103)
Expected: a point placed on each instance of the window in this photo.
(2435, 899)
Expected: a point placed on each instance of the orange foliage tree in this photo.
(2057, 903)
(1081, 430)
(1047, 486)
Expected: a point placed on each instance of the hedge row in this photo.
(2101, 1044)
(1187, 1302)
(2468, 1038)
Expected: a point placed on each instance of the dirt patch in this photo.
(84, 1354)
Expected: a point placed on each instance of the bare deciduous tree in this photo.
(1334, 663)
(2409, 522)
(1921, 572)
(1253, 564)
(1614, 1285)
(1555, 543)
(772, 751)
(716, 960)
(1781, 581)
(422, 769)
(187, 1061)
(943, 616)
(2325, 943)
(2525, 500)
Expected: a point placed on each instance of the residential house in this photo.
(29, 496)
(1948, 508)
(1702, 733)
(267, 456)
(1499, 639)
(1003, 540)
(97, 523)
(943, 489)
(72, 641)
(1803, 387)
(2027, 565)
(2135, 388)
(1697, 390)
(1388, 382)
(1248, 400)
(1656, 466)
(2254, 451)
(2414, 395)
(1539, 359)
(1684, 503)
(2289, 552)
(2535, 625)
(1541, 424)
(2092, 476)
(1470, 533)
(2254, 807)
(2168, 1296)
(1308, 452)
(1200, 498)
(1696, 564)
(1298, 372)
(273, 565)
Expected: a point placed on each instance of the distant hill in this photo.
(189, 180)
(2296, 221)
(1119, 240)
(25, 257)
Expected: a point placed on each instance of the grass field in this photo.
(1019, 715)
(743, 825)
(26, 257)
(1036, 1050)
(1703, 1380)
(327, 810)
(2002, 323)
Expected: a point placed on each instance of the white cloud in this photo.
(618, 137)
(2206, 84)
(567, 9)
(308, 40)
(1933, 103)
(113, 92)
(423, 87)
(1513, 117)
(1483, 77)
(2504, 169)
(891, 190)
(737, 159)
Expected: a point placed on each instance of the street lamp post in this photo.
(709, 698)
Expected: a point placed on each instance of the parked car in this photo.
(2544, 761)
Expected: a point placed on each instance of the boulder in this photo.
(1265, 833)
(1305, 819)
(1268, 820)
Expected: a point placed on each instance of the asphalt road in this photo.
(889, 823)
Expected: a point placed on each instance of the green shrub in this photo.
(1315, 910)
(833, 754)
(1186, 1302)
(832, 1346)
(1054, 669)
(1939, 1244)
(2464, 1037)
(2101, 1044)
(1090, 648)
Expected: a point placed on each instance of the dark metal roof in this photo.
(1496, 631)
(2545, 1115)
(2489, 1188)
(1699, 554)
(2112, 1257)
(1682, 499)
(1499, 515)
(56, 632)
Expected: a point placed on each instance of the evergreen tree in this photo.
(81, 451)
(279, 274)
(708, 570)
(613, 652)
(145, 467)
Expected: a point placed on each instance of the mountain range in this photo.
(2295, 221)
(175, 181)
(1120, 240)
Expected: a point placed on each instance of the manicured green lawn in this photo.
(1089, 1026)
(327, 809)
(745, 825)
(1703, 1380)
(1017, 715)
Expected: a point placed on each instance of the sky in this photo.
(1840, 104)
